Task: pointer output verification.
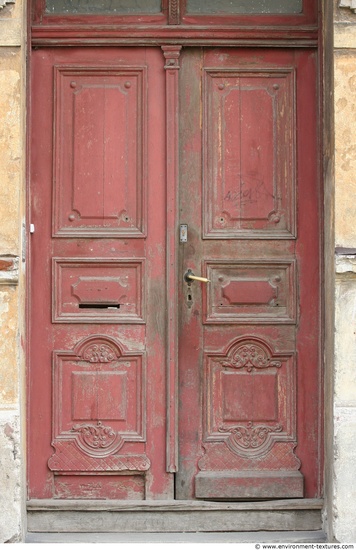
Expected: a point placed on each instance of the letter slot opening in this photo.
(99, 306)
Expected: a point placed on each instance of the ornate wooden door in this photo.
(97, 379)
(107, 274)
(249, 338)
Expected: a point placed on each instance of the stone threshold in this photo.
(254, 537)
(88, 516)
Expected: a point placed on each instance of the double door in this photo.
(149, 165)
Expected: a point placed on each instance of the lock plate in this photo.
(183, 233)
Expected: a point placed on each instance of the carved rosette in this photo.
(97, 440)
(248, 437)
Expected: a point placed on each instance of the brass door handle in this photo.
(189, 276)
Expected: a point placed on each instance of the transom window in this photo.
(244, 6)
(199, 7)
(123, 7)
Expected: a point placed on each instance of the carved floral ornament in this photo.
(3, 3)
(99, 350)
(248, 437)
(99, 353)
(250, 355)
(97, 440)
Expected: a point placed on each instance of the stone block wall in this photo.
(344, 467)
(12, 158)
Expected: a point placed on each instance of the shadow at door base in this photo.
(94, 517)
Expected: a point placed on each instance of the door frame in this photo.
(324, 41)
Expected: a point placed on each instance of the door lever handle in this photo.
(189, 276)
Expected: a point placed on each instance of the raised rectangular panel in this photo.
(249, 397)
(99, 386)
(249, 423)
(249, 180)
(249, 484)
(101, 290)
(99, 403)
(99, 151)
(251, 291)
(99, 395)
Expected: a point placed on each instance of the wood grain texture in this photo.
(173, 516)
(244, 178)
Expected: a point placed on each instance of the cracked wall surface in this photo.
(10, 478)
(12, 102)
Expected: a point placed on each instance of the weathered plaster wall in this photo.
(344, 499)
(345, 111)
(12, 101)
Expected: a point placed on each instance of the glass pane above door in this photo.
(108, 7)
(225, 7)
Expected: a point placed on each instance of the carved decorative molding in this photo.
(236, 204)
(215, 457)
(116, 286)
(250, 355)
(99, 353)
(69, 458)
(261, 292)
(98, 404)
(348, 4)
(249, 396)
(3, 3)
(171, 55)
(173, 14)
(97, 440)
(249, 436)
(126, 188)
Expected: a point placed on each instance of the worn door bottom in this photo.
(87, 516)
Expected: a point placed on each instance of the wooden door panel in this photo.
(250, 291)
(105, 290)
(100, 150)
(103, 206)
(97, 380)
(249, 184)
(249, 338)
